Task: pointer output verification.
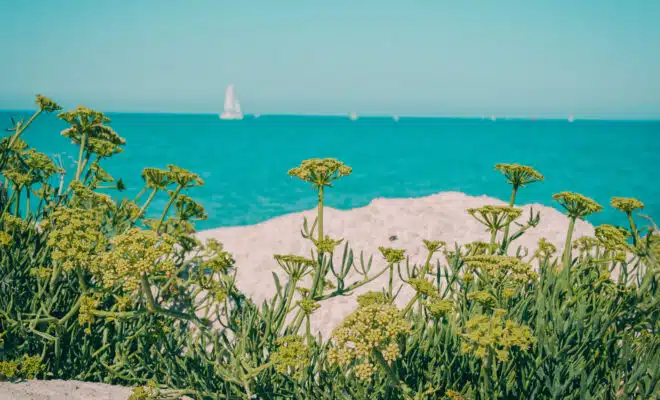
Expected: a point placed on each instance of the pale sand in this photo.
(62, 390)
(438, 217)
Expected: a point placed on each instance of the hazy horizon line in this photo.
(538, 116)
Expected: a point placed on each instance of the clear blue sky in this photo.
(467, 57)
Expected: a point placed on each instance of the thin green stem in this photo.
(512, 201)
(81, 153)
(23, 127)
(167, 207)
(146, 203)
(410, 304)
(633, 228)
(493, 237)
(320, 213)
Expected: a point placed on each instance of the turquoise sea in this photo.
(245, 163)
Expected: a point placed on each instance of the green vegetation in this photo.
(92, 290)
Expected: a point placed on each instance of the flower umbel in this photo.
(577, 205)
(320, 171)
(375, 327)
(519, 175)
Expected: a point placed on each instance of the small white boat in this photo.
(492, 118)
(257, 115)
(395, 118)
(232, 108)
(352, 116)
(571, 118)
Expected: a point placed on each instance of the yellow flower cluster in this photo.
(85, 316)
(326, 245)
(84, 197)
(320, 171)
(156, 178)
(626, 204)
(188, 209)
(392, 256)
(439, 308)
(434, 245)
(183, 177)
(46, 105)
(495, 218)
(365, 370)
(613, 238)
(39, 163)
(292, 356)
(519, 175)
(479, 248)
(483, 297)
(5, 239)
(103, 148)
(308, 306)
(75, 237)
(585, 243)
(13, 223)
(89, 123)
(41, 272)
(484, 334)
(577, 205)
(423, 287)
(215, 258)
(135, 253)
(26, 368)
(453, 395)
(17, 177)
(502, 268)
(545, 249)
(375, 327)
(371, 297)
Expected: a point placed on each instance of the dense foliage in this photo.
(92, 290)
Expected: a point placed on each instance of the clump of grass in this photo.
(92, 290)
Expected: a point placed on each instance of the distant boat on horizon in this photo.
(352, 116)
(395, 118)
(571, 118)
(232, 109)
(492, 118)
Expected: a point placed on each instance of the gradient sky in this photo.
(442, 57)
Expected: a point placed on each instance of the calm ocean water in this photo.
(245, 163)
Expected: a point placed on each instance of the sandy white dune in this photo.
(438, 217)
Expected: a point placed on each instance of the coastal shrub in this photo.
(92, 289)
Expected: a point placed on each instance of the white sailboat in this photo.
(352, 116)
(571, 118)
(232, 105)
(395, 118)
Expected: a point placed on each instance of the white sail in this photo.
(232, 108)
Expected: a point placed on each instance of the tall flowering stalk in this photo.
(320, 172)
(89, 131)
(517, 176)
(576, 206)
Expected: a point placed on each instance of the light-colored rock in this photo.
(440, 216)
